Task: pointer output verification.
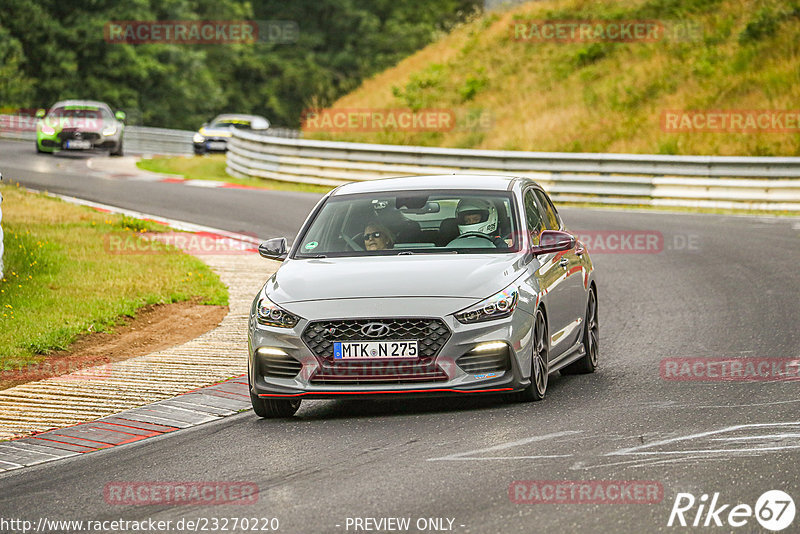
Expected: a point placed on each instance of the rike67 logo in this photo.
(774, 510)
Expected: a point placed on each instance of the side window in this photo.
(532, 217)
(551, 221)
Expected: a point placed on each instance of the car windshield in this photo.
(80, 112)
(232, 123)
(412, 222)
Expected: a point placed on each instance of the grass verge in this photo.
(62, 279)
(212, 167)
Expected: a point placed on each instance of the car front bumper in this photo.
(94, 141)
(212, 144)
(390, 378)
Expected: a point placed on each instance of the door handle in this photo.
(564, 262)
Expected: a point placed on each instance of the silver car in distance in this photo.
(423, 286)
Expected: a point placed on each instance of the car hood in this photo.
(435, 275)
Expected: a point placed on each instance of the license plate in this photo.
(368, 350)
(80, 144)
(217, 145)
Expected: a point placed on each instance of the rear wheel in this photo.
(540, 365)
(591, 336)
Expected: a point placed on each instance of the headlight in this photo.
(48, 130)
(270, 314)
(497, 306)
(198, 138)
(110, 130)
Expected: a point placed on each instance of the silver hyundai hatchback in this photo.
(423, 286)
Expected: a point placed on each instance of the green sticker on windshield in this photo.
(312, 244)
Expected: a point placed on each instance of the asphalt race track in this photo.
(720, 286)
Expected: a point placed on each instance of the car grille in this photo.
(70, 134)
(477, 362)
(279, 366)
(430, 334)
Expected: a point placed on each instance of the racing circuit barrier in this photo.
(762, 183)
(136, 139)
(146, 140)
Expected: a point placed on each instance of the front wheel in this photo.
(274, 408)
(540, 365)
(591, 337)
(118, 151)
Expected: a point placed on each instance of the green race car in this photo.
(79, 125)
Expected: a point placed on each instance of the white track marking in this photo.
(765, 436)
(638, 462)
(638, 450)
(503, 446)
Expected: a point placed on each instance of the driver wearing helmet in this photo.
(478, 215)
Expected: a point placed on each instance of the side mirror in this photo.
(40, 113)
(120, 115)
(553, 241)
(274, 249)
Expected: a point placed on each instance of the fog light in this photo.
(489, 346)
(270, 351)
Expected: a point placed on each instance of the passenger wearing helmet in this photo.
(478, 215)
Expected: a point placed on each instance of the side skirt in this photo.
(574, 353)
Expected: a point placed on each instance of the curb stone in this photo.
(144, 396)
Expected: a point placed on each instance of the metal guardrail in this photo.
(763, 183)
(136, 139)
(146, 140)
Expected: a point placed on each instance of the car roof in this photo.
(96, 103)
(483, 182)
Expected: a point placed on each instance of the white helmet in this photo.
(476, 209)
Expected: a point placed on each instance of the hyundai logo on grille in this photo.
(375, 330)
(77, 135)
